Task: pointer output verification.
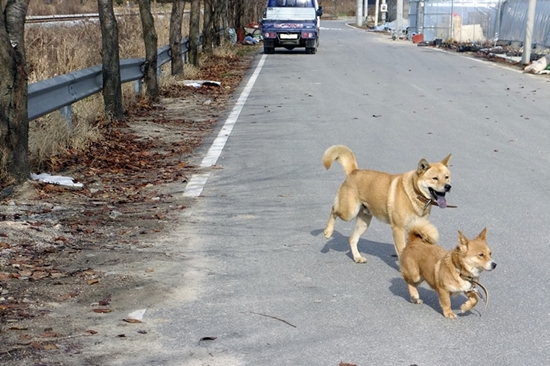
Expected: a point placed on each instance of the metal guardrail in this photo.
(87, 16)
(60, 92)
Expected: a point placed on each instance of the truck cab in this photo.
(291, 24)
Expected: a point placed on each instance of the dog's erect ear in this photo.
(483, 234)
(462, 242)
(446, 160)
(423, 165)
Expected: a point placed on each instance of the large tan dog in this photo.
(447, 272)
(393, 199)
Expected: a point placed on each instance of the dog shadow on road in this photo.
(340, 243)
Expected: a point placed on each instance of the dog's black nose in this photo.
(447, 187)
(493, 265)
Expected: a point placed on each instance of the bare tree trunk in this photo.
(176, 19)
(151, 57)
(224, 18)
(112, 90)
(14, 123)
(220, 7)
(194, 23)
(207, 34)
(237, 12)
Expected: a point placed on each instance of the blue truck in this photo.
(291, 24)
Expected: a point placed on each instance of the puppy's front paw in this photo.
(465, 308)
(416, 300)
(328, 233)
(449, 315)
(360, 259)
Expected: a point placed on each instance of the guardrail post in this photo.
(67, 113)
(137, 87)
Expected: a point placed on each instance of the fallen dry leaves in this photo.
(51, 237)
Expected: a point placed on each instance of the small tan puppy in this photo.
(448, 272)
(395, 199)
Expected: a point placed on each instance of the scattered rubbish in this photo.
(417, 38)
(137, 315)
(249, 40)
(200, 83)
(56, 179)
(541, 66)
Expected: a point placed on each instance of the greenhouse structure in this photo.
(482, 21)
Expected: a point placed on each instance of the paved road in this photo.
(260, 277)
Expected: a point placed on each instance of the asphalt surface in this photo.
(264, 286)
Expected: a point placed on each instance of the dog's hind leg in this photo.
(411, 274)
(344, 207)
(361, 225)
(329, 229)
(414, 296)
(470, 303)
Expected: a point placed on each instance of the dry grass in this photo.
(62, 49)
(58, 138)
(49, 7)
(340, 8)
(58, 50)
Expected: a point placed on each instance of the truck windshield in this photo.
(290, 13)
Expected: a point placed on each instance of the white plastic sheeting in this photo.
(479, 21)
(514, 14)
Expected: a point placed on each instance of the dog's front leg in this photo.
(398, 239)
(473, 298)
(445, 302)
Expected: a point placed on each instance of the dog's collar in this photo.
(429, 201)
(465, 277)
(426, 201)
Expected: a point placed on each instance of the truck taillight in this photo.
(308, 35)
(269, 34)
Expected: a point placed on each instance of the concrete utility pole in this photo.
(359, 13)
(376, 13)
(399, 16)
(529, 25)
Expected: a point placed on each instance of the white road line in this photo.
(196, 183)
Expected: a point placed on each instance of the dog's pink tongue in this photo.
(441, 202)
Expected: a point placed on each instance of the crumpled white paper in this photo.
(199, 83)
(56, 179)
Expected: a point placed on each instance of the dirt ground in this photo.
(75, 262)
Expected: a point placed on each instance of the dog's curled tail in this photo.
(343, 154)
(423, 229)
